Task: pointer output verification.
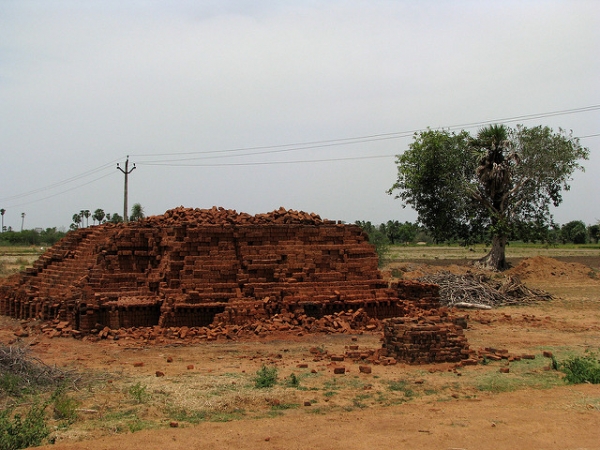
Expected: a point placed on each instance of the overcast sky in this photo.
(253, 105)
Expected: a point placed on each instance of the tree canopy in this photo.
(498, 181)
(137, 212)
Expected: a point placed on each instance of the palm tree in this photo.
(98, 215)
(22, 220)
(86, 214)
(494, 173)
(2, 211)
(76, 220)
(137, 212)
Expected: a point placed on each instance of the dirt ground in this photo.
(137, 395)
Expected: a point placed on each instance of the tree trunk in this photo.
(496, 258)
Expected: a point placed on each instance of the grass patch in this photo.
(396, 385)
(292, 381)
(357, 401)
(401, 386)
(284, 406)
(227, 416)
(127, 420)
(193, 417)
(138, 424)
(139, 393)
(497, 382)
(317, 410)
(120, 414)
(65, 407)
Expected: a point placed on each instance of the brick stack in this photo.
(201, 268)
(424, 339)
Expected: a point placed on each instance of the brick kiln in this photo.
(197, 268)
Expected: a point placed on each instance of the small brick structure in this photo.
(428, 333)
(424, 340)
(208, 267)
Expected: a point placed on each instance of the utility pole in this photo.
(127, 171)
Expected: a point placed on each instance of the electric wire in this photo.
(62, 192)
(267, 163)
(361, 139)
(60, 183)
(280, 148)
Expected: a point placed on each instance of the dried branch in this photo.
(28, 370)
(479, 289)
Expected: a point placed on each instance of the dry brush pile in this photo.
(481, 291)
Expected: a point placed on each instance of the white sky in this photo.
(85, 83)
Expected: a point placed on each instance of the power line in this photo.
(281, 148)
(359, 139)
(307, 147)
(589, 136)
(268, 163)
(60, 183)
(173, 163)
(63, 192)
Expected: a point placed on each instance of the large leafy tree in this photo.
(594, 232)
(434, 178)
(498, 181)
(114, 218)
(574, 232)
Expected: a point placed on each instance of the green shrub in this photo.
(139, 392)
(10, 384)
(65, 407)
(581, 369)
(17, 432)
(266, 377)
(293, 381)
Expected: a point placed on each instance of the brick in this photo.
(364, 369)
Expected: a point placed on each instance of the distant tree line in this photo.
(81, 218)
(47, 237)
(394, 232)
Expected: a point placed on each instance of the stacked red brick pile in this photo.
(218, 272)
(425, 339)
(426, 332)
(192, 267)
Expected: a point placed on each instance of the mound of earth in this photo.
(414, 271)
(544, 268)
